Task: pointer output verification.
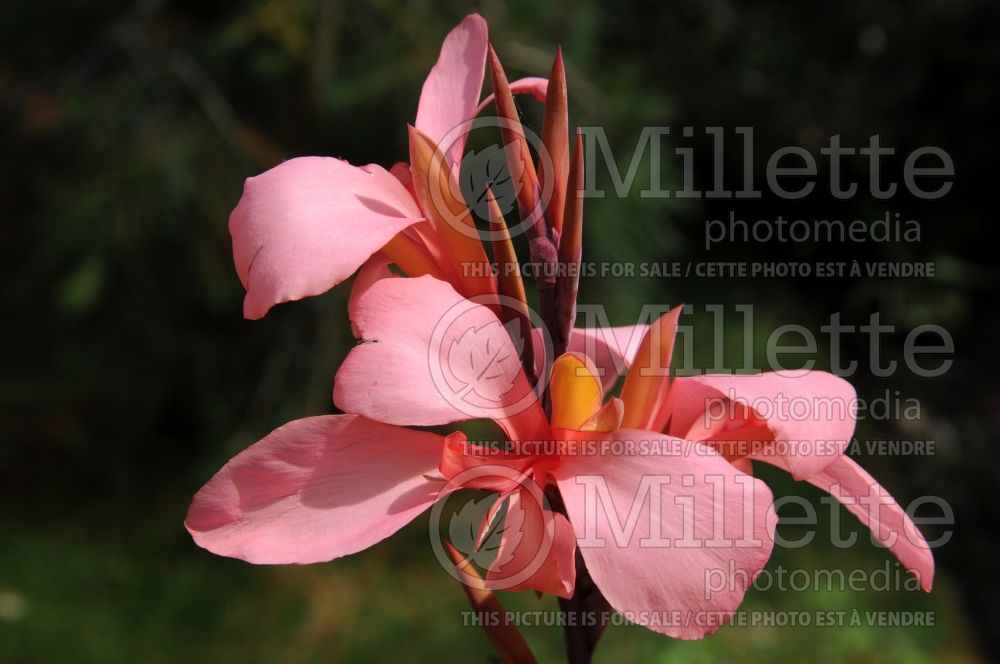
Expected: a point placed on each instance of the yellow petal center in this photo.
(575, 391)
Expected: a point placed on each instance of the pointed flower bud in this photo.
(514, 305)
(553, 170)
(519, 163)
(570, 249)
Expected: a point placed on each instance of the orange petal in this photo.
(411, 257)
(608, 418)
(433, 184)
(575, 391)
(424, 233)
(648, 379)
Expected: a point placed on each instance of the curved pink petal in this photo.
(451, 92)
(535, 86)
(611, 349)
(672, 534)
(695, 411)
(401, 171)
(866, 499)
(429, 356)
(307, 224)
(537, 549)
(316, 489)
(690, 410)
(373, 270)
(811, 415)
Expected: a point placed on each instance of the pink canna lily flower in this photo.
(309, 223)
(324, 487)
(643, 494)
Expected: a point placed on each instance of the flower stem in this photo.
(585, 616)
(587, 613)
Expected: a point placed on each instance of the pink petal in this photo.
(429, 356)
(401, 171)
(537, 549)
(316, 489)
(687, 583)
(374, 269)
(307, 224)
(848, 482)
(695, 411)
(451, 92)
(531, 85)
(811, 415)
(611, 349)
